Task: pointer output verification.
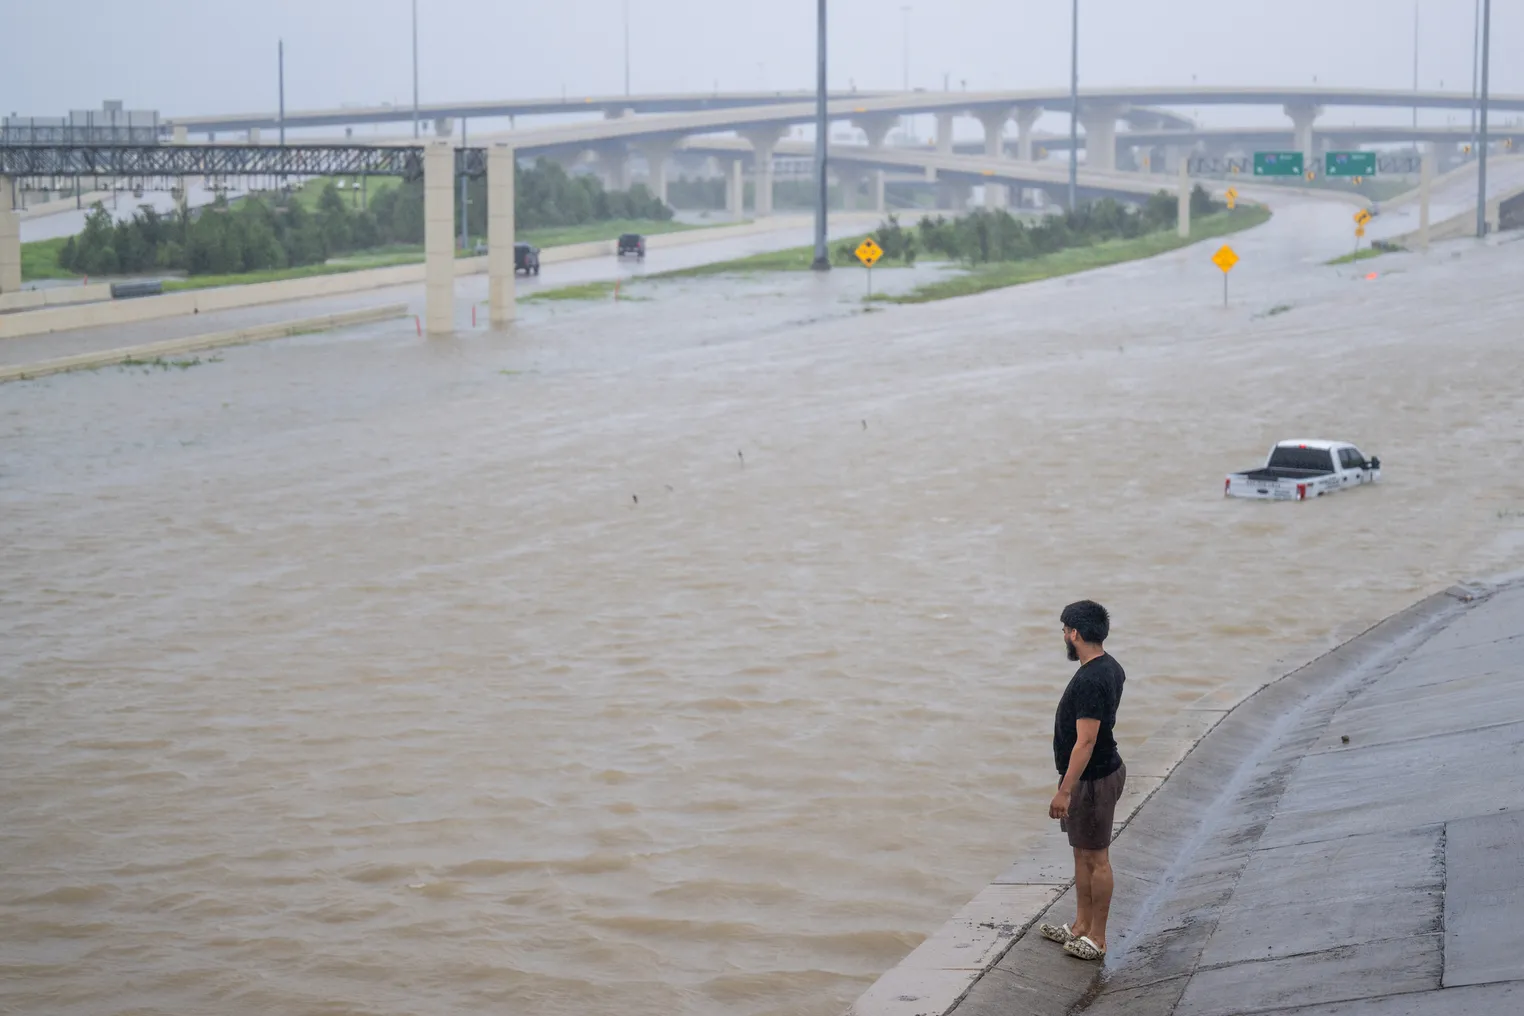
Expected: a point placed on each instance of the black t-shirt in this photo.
(1094, 693)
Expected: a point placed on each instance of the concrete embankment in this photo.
(196, 343)
(1349, 838)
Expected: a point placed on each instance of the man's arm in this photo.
(1086, 731)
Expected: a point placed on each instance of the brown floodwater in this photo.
(347, 674)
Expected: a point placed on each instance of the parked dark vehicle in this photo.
(631, 243)
(526, 258)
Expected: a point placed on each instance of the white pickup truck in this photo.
(1302, 470)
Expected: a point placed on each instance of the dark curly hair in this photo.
(1089, 619)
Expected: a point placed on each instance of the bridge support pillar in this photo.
(501, 306)
(1302, 119)
(1100, 122)
(614, 163)
(763, 141)
(656, 152)
(850, 178)
(180, 135)
(439, 238)
(10, 238)
(944, 140)
(953, 194)
(993, 121)
(1026, 119)
(444, 127)
(1183, 215)
(735, 189)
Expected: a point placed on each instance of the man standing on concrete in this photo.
(1091, 775)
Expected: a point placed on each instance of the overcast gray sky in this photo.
(213, 56)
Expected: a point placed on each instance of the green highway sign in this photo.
(1349, 164)
(1277, 163)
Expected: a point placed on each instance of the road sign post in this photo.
(868, 253)
(1278, 164)
(1225, 259)
(1356, 164)
(1361, 218)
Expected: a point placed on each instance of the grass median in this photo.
(1001, 274)
(1363, 254)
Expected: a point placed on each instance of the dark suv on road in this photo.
(631, 243)
(526, 258)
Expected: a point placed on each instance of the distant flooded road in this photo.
(691, 656)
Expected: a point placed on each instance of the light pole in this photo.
(822, 262)
(1415, 66)
(626, 47)
(415, 68)
(280, 59)
(1074, 106)
(1481, 145)
(905, 80)
(1476, 54)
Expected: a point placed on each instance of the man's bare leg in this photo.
(1082, 894)
(1099, 883)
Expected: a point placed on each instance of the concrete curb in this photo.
(936, 976)
(212, 340)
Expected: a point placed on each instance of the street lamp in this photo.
(1074, 106)
(905, 82)
(415, 68)
(1481, 141)
(626, 47)
(822, 262)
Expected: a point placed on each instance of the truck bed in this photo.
(1281, 473)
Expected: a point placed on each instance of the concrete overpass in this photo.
(610, 106)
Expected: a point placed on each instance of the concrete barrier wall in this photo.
(62, 205)
(212, 340)
(55, 296)
(52, 318)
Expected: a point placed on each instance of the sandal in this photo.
(1056, 933)
(1084, 948)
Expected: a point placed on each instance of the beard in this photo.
(1073, 653)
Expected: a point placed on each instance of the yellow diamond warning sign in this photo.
(1225, 259)
(869, 252)
(1362, 216)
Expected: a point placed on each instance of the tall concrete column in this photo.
(851, 180)
(763, 141)
(444, 127)
(1183, 217)
(439, 238)
(1026, 119)
(656, 152)
(735, 189)
(181, 135)
(1100, 122)
(993, 121)
(945, 133)
(1302, 119)
(877, 129)
(614, 166)
(10, 238)
(944, 140)
(501, 297)
(1425, 177)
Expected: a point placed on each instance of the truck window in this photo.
(1293, 457)
(1348, 459)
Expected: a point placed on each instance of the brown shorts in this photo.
(1092, 808)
